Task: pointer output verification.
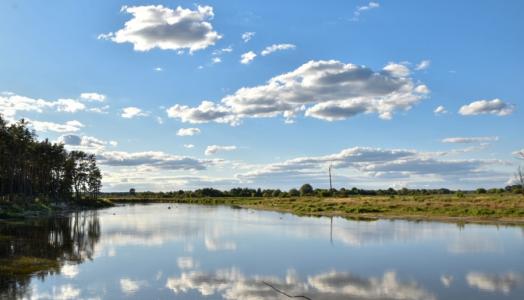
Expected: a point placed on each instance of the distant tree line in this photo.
(308, 190)
(31, 169)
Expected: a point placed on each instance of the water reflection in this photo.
(199, 252)
(503, 283)
(43, 247)
(232, 284)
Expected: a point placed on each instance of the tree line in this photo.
(31, 169)
(308, 190)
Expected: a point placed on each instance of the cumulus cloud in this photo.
(155, 159)
(156, 26)
(519, 154)
(158, 69)
(373, 163)
(440, 110)
(188, 131)
(276, 47)
(360, 9)
(189, 146)
(93, 97)
(470, 140)
(423, 65)
(247, 36)
(247, 57)
(213, 149)
(69, 105)
(88, 142)
(326, 90)
(69, 126)
(216, 60)
(503, 283)
(482, 107)
(132, 112)
(11, 104)
(218, 52)
(205, 112)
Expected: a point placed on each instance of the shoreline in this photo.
(365, 208)
(355, 208)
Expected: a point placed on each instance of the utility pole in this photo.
(330, 184)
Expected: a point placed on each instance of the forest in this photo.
(34, 170)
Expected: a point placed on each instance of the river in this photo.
(174, 251)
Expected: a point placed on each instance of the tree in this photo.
(31, 169)
(306, 190)
(294, 193)
(132, 191)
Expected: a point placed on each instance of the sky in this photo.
(177, 95)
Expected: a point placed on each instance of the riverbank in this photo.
(22, 210)
(503, 208)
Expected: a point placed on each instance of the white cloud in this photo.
(398, 70)
(482, 107)
(276, 47)
(247, 36)
(371, 164)
(205, 112)
(189, 146)
(469, 140)
(86, 142)
(360, 9)
(69, 126)
(423, 65)
(218, 52)
(333, 90)
(159, 120)
(158, 69)
(216, 60)
(213, 149)
(69, 105)
(132, 112)
(99, 110)
(247, 57)
(440, 110)
(11, 104)
(93, 97)
(154, 159)
(503, 283)
(188, 131)
(156, 26)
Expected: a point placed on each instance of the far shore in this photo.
(503, 209)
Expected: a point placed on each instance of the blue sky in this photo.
(351, 83)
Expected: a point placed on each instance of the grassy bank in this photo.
(503, 208)
(23, 209)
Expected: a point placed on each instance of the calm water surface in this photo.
(200, 252)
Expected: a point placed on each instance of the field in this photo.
(504, 208)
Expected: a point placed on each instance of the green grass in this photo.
(488, 208)
(25, 265)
